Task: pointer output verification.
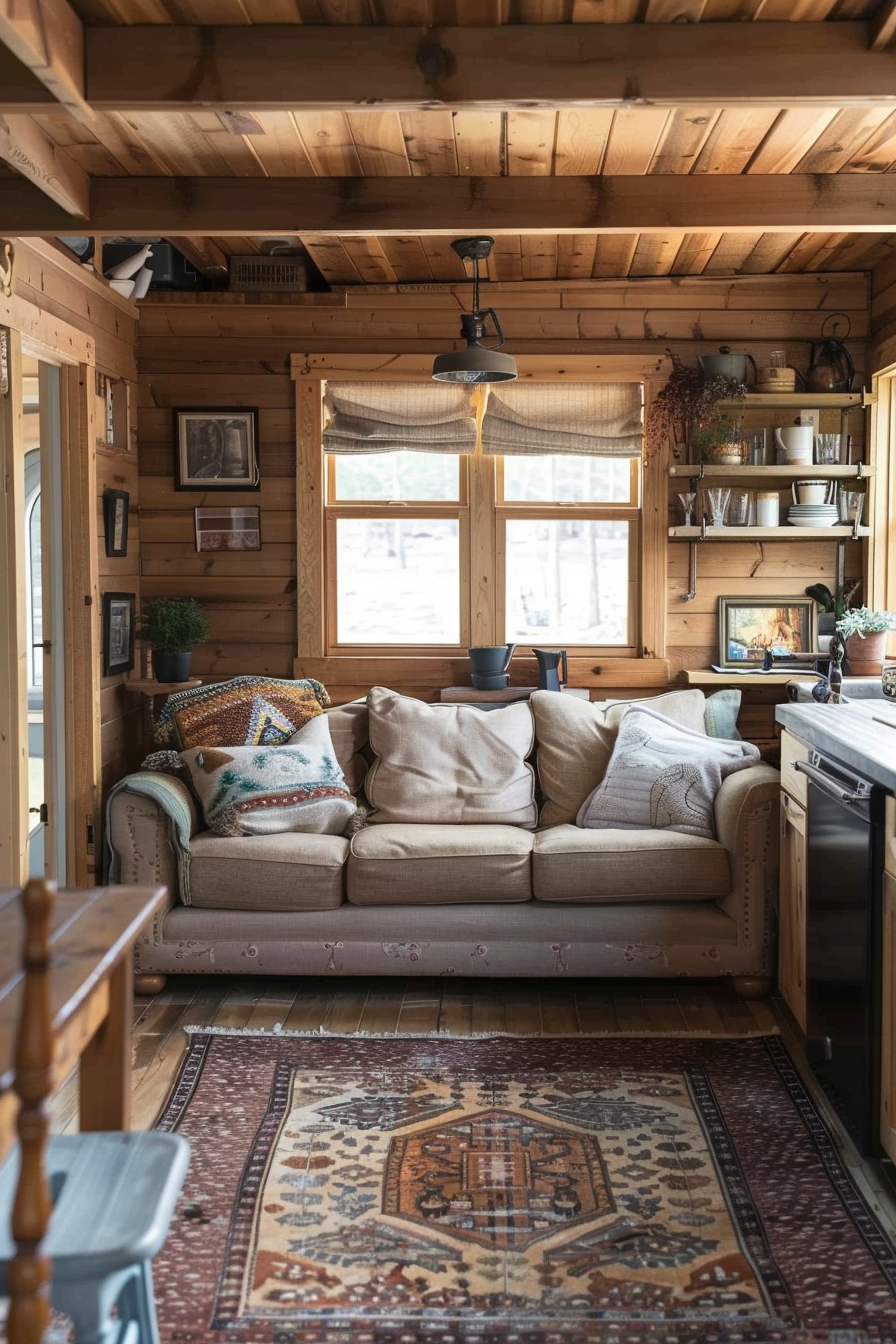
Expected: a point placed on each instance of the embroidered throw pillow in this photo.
(244, 711)
(262, 790)
(452, 764)
(663, 777)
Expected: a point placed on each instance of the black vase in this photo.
(170, 667)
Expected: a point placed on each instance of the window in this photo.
(431, 548)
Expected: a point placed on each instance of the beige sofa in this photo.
(460, 897)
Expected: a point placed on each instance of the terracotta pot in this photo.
(866, 655)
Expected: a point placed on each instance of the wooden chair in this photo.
(81, 1215)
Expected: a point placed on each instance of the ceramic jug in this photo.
(550, 661)
(491, 660)
(795, 442)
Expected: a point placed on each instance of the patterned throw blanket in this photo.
(174, 800)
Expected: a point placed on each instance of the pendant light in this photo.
(477, 363)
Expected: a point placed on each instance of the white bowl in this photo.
(811, 522)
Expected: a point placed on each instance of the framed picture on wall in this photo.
(216, 449)
(219, 528)
(118, 632)
(749, 626)
(115, 521)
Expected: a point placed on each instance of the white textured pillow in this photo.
(453, 764)
(663, 777)
(261, 790)
(576, 739)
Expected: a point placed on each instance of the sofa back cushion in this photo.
(452, 764)
(261, 790)
(576, 739)
(349, 731)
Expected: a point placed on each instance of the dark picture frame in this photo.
(119, 620)
(750, 625)
(216, 448)
(115, 521)
(221, 527)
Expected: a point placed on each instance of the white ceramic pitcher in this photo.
(814, 492)
(795, 442)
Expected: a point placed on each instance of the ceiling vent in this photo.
(249, 275)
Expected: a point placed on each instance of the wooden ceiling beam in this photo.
(20, 90)
(235, 206)
(883, 26)
(48, 37)
(166, 67)
(203, 254)
(28, 149)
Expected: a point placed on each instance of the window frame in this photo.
(425, 667)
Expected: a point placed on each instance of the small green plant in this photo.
(863, 621)
(173, 624)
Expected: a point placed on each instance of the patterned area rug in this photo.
(353, 1190)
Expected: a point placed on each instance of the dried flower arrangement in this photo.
(685, 411)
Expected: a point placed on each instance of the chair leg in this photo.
(137, 1303)
(89, 1302)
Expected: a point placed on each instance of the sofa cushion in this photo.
(241, 712)
(575, 741)
(265, 790)
(593, 867)
(663, 776)
(431, 865)
(349, 731)
(449, 763)
(267, 872)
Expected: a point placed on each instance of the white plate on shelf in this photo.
(812, 522)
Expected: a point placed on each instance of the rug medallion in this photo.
(523, 1190)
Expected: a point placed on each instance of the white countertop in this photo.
(862, 734)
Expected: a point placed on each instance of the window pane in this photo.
(567, 581)
(419, 476)
(397, 581)
(567, 479)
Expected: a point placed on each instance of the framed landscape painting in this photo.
(749, 626)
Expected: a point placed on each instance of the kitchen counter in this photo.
(862, 735)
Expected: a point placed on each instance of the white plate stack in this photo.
(812, 515)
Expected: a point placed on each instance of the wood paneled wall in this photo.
(227, 350)
(66, 313)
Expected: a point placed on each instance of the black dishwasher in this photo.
(843, 922)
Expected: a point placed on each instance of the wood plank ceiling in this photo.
(64, 139)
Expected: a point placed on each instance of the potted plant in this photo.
(685, 411)
(173, 625)
(865, 633)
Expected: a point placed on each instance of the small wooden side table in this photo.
(150, 690)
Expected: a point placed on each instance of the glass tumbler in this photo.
(740, 509)
(827, 449)
(718, 502)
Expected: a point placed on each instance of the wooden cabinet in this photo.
(792, 909)
(888, 990)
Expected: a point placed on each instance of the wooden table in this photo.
(91, 991)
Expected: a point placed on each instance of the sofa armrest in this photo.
(747, 811)
(148, 829)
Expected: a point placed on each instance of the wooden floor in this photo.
(454, 1008)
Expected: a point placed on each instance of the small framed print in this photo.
(118, 632)
(115, 521)
(228, 529)
(749, 626)
(216, 449)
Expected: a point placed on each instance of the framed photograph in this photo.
(748, 626)
(228, 529)
(216, 450)
(118, 632)
(115, 521)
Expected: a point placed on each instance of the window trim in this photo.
(421, 670)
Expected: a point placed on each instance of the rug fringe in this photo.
(321, 1032)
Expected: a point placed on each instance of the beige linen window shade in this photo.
(589, 419)
(391, 417)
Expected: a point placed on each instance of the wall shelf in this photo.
(806, 401)
(859, 471)
(785, 532)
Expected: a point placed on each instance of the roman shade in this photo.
(586, 419)
(391, 417)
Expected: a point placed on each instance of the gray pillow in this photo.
(662, 777)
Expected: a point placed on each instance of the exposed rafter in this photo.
(883, 25)
(25, 147)
(48, 37)
(167, 67)
(854, 202)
